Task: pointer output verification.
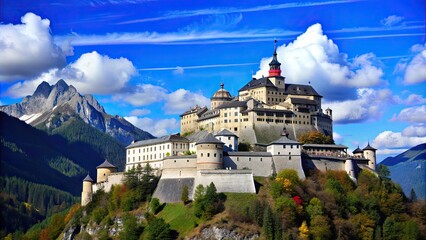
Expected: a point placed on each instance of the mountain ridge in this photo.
(50, 106)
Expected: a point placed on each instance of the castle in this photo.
(268, 114)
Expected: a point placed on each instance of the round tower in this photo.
(86, 194)
(219, 97)
(370, 154)
(329, 112)
(104, 170)
(209, 153)
(358, 153)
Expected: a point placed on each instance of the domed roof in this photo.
(106, 164)
(221, 94)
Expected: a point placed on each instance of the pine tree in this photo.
(268, 223)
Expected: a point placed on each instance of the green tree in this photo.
(315, 137)
(155, 205)
(185, 194)
(199, 193)
(158, 229)
(131, 229)
(413, 195)
(320, 228)
(383, 171)
(411, 231)
(315, 208)
(390, 229)
(268, 223)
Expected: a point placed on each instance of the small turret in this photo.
(370, 154)
(274, 65)
(104, 170)
(219, 97)
(229, 138)
(86, 194)
(329, 112)
(209, 153)
(358, 152)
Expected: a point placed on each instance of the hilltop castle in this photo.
(268, 114)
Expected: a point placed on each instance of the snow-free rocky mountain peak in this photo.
(51, 106)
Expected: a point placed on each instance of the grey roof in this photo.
(197, 136)
(368, 147)
(197, 110)
(284, 140)
(325, 146)
(106, 164)
(209, 114)
(164, 139)
(267, 110)
(209, 139)
(300, 89)
(232, 104)
(357, 150)
(88, 179)
(225, 132)
(255, 83)
(249, 154)
(302, 101)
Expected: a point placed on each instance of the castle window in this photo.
(187, 160)
(261, 159)
(229, 138)
(278, 153)
(208, 154)
(289, 158)
(235, 129)
(201, 154)
(133, 151)
(249, 159)
(215, 155)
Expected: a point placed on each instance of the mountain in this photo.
(41, 173)
(51, 106)
(408, 169)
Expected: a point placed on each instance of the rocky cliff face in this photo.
(50, 106)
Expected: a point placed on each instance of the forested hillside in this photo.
(324, 206)
(44, 171)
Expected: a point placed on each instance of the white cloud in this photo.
(392, 140)
(314, 58)
(181, 100)
(175, 102)
(140, 112)
(27, 49)
(415, 71)
(157, 127)
(91, 73)
(414, 99)
(142, 95)
(412, 114)
(179, 71)
(387, 151)
(392, 20)
(369, 104)
(414, 131)
(337, 137)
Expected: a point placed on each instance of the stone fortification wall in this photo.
(227, 180)
(323, 163)
(112, 179)
(284, 162)
(259, 163)
(179, 173)
(247, 135)
(170, 190)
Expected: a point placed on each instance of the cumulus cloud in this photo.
(412, 114)
(369, 104)
(28, 49)
(175, 102)
(414, 131)
(337, 137)
(140, 112)
(391, 20)
(91, 73)
(392, 140)
(181, 100)
(157, 127)
(413, 99)
(314, 58)
(415, 70)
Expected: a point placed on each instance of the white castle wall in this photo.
(284, 162)
(227, 180)
(112, 179)
(260, 164)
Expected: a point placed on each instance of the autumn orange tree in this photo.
(315, 137)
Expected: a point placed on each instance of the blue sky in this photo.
(148, 61)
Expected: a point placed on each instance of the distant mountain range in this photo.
(408, 169)
(51, 106)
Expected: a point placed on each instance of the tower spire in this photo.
(274, 65)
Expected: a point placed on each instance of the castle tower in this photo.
(229, 138)
(329, 112)
(370, 154)
(219, 97)
(104, 170)
(285, 147)
(209, 153)
(358, 152)
(86, 194)
(275, 70)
